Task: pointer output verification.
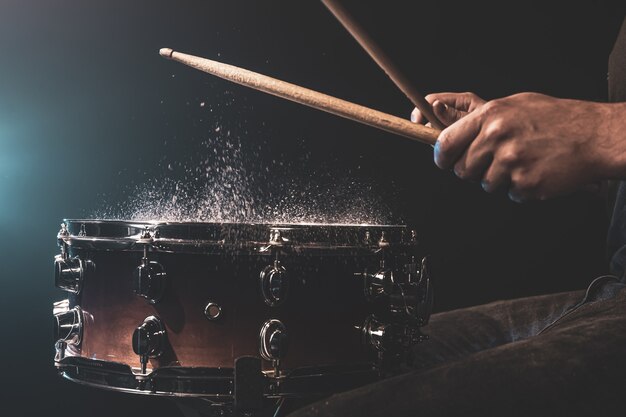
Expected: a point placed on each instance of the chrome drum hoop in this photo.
(212, 383)
(244, 237)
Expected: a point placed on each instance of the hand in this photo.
(537, 146)
(449, 107)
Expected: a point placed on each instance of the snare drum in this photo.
(236, 313)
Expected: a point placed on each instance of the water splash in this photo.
(229, 177)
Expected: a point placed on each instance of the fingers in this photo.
(474, 161)
(448, 107)
(417, 117)
(455, 139)
(496, 178)
(447, 114)
(465, 102)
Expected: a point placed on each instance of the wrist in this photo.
(613, 143)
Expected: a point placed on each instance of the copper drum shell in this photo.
(323, 311)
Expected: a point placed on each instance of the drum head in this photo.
(206, 237)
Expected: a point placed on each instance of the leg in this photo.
(576, 368)
(458, 333)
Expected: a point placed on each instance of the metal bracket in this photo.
(249, 385)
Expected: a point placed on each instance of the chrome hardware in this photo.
(63, 232)
(405, 292)
(212, 311)
(146, 235)
(83, 231)
(379, 284)
(149, 279)
(413, 236)
(423, 305)
(383, 239)
(248, 386)
(416, 292)
(276, 236)
(70, 273)
(274, 341)
(59, 350)
(61, 239)
(68, 323)
(149, 340)
(390, 337)
(274, 284)
(375, 333)
(62, 306)
(214, 385)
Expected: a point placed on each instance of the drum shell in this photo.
(323, 311)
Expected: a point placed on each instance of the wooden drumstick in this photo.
(383, 61)
(308, 97)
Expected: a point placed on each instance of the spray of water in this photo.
(222, 178)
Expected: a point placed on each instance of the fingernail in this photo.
(515, 198)
(485, 185)
(414, 116)
(437, 153)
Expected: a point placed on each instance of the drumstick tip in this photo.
(166, 52)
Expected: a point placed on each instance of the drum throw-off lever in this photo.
(149, 340)
(149, 279)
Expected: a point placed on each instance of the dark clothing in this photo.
(553, 355)
(489, 363)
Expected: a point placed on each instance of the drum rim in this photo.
(78, 369)
(142, 223)
(210, 237)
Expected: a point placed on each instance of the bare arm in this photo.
(535, 145)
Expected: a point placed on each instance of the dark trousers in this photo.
(553, 355)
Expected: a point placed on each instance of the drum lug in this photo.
(70, 273)
(149, 279)
(409, 293)
(377, 285)
(149, 339)
(274, 283)
(416, 295)
(68, 323)
(273, 343)
(384, 336)
(393, 341)
(424, 294)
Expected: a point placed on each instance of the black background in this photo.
(86, 105)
